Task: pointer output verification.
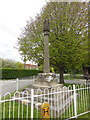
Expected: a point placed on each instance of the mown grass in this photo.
(83, 104)
(19, 111)
(85, 116)
(73, 77)
(22, 108)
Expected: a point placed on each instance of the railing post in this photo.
(32, 102)
(0, 108)
(0, 102)
(17, 84)
(75, 101)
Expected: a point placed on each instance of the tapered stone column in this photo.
(46, 79)
(46, 68)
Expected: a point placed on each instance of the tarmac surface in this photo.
(2, 82)
(6, 81)
(11, 85)
(76, 81)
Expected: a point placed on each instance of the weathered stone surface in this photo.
(46, 68)
(46, 79)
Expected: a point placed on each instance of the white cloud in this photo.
(13, 17)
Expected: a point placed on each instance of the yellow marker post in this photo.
(45, 110)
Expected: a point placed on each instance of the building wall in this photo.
(29, 66)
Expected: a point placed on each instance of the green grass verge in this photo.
(72, 77)
(22, 108)
(17, 109)
(85, 116)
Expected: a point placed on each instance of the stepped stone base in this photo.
(43, 87)
(46, 80)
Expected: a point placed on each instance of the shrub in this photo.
(11, 73)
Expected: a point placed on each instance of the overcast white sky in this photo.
(13, 17)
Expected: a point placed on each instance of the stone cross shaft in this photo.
(46, 30)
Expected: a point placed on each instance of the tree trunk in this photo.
(24, 64)
(61, 78)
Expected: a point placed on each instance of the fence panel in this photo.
(17, 105)
(61, 101)
(66, 102)
(82, 99)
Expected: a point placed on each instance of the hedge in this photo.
(11, 73)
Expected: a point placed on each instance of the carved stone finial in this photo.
(46, 25)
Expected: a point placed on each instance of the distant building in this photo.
(30, 66)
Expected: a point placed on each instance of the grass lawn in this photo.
(85, 116)
(18, 111)
(72, 77)
(22, 109)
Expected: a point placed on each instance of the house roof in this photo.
(30, 65)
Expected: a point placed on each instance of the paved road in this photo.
(12, 86)
(80, 81)
(2, 82)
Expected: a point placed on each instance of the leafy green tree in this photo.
(7, 63)
(19, 65)
(67, 40)
(68, 35)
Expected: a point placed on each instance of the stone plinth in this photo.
(46, 80)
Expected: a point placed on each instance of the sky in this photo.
(13, 17)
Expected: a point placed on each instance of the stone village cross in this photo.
(46, 30)
(46, 79)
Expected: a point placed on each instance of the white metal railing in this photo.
(66, 102)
